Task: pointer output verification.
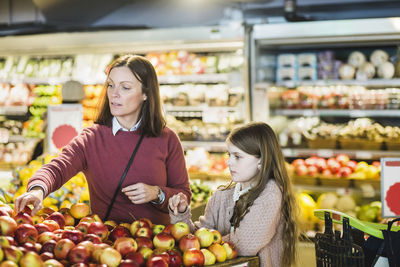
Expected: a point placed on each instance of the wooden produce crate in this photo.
(240, 262)
(318, 143)
(360, 144)
(392, 144)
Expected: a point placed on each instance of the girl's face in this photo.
(243, 166)
(125, 96)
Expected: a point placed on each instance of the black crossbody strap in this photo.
(123, 177)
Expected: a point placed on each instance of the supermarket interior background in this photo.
(324, 74)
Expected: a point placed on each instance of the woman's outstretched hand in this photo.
(178, 203)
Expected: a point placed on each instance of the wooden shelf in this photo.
(356, 113)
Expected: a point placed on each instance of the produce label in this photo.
(390, 187)
(64, 123)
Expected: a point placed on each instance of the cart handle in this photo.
(374, 229)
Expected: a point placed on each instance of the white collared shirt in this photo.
(116, 126)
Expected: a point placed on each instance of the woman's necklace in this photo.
(239, 192)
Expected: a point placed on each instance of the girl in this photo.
(256, 211)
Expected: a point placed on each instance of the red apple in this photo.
(31, 259)
(231, 250)
(26, 233)
(11, 240)
(146, 252)
(175, 258)
(327, 173)
(111, 224)
(79, 210)
(311, 161)
(79, 254)
(41, 228)
(73, 235)
(136, 257)
(205, 237)
(69, 220)
(312, 170)
(124, 245)
(12, 253)
(30, 247)
(119, 231)
(144, 242)
(111, 257)
(87, 244)
(189, 241)
(375, 163)
(45, 211)
(209, 257)
(6, 210)
(8, 263)
(156, 261)
(87, 219)
(320, 163)
(219, 252)
(83, 227)
(48, 246)
(352, 164)
(343, 159)
(53, 225)
(23, 217)
(4, 243)
(144, 231)
(217, 236)
(45, 236)
(52, 263)
(158, 228)
(298, 162)
(345, 171)
(96, 217)
(46, 256)
(97, 250)
(163, 241)
(62, 248)
(333, 165)
(193, 257)
(99, 229)
(57, 217)
(168, 229)
(37, 219)
(138, 224)
(126, 225)
(179, 230)
(7, 226)
(92, 238)
(301, 170)
(128, 263)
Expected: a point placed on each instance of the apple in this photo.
(87, 219)
(179, 230)
(352, 164)
(119, 231)
(79, 254)
(99, 229)
(158, 228)
(7, 226)
(31, 259)
(298, 162)
(4, 243)
(209, 257)
(320, 163)
(83, 227)
(37, 219)
(23, 217)
(45, 211)
(87, 244)
(217, 236)
(124, 224)
(30, 246)
(144, 231)
(333, 165)
(327, 173)
(163, 241)
(175, 258)
(124, 245)
(97, 250)
(168, 229)
(205, 237)
(69, 220)
(73, 235)
(189, 241)
(146, 252)
(11, 240)
(301, 170)
(96, 217)
(53, 225)
(138, 224)
(46, 256)
(4, 208)
(62, 248)
(156, 261)
(57, 217)
(312, 170)
(136, 257)
(345, 171)
(343, 159)
(231, 250)
(111, 224)
(79, 210)
(48, 246)
(219, 252)
(12, 253)
(8, 264)
(92, 238)
(193, 257)
(144, 242)
(111, 257)
(161, 253)
(26, 233)
(52, 263)
(42, 228)
(128, 263)
(375, 163)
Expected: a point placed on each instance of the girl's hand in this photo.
(178, 203)
(34, 197)
(141, 193)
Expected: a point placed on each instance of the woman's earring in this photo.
(259, 166)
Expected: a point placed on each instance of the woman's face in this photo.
(125, 96)
(243, 166)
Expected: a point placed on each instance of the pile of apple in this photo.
(74, 237)
(340, 166)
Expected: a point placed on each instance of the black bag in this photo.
(392, 244)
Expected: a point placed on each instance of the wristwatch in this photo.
(160, 197)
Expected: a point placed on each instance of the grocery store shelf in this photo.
(20, 138)
(213, 146)
(194, 78)
(212, 114)
(355, 113)
(323, 182)
(209, 176)
(366, 83)
(13, 110)
(327, 153)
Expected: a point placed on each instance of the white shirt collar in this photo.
(116, 126)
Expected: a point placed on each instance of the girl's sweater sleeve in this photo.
(259, 225)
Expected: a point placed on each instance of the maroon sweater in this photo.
(102, 157)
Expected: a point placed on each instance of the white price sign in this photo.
(64, 123)
(390, 187)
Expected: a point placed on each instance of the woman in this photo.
(257, 210)
(131, 108)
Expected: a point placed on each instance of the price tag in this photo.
(215, 115)
(4, 135)
(325, 153)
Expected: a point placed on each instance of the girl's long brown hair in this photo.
(258, 139)
(153, 121)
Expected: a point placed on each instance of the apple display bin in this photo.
(240, 262)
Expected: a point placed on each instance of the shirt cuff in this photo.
(41, 186)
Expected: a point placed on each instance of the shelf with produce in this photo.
(334, 182)
(21, 138)
(209, 176)
(356, 113)
(327, 153)
(37, 80)
(194, 78)
(216, 112)
(210, 146)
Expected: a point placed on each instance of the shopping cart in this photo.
(349, 248)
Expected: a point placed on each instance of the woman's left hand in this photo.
(141, 193)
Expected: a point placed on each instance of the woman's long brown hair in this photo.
(258, 139)
(152, 122)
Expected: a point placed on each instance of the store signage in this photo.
(64, 122)
(390, 187)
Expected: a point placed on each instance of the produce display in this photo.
(90, 103)
(199, 160)
(15, 95)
